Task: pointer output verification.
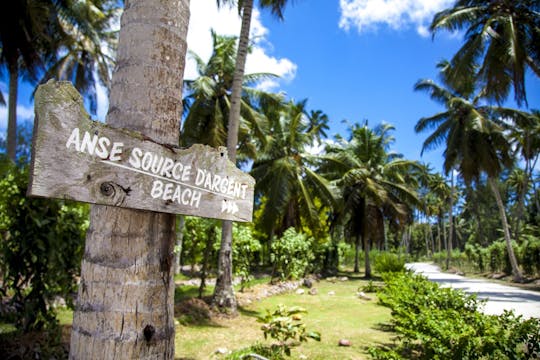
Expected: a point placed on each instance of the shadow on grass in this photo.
(247, 312)
(386, 327)
(195, 312)
(40, 344)
(184, 292)
(358, 276)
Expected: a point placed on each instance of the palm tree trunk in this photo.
(367, 263)
(206, 257)
(441, 233)
(179, 242)
(451, 224)
(224, 294)
(125, 302)
(516, 272)
(224, 298)
(12, 112)
(357, 245)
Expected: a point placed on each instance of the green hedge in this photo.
(443, 323)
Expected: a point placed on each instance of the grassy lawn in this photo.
(341, 315)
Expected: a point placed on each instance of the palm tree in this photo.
(125, 304)
(439, 192)
(33, 34)
(86, 46)
(502, 36)
(207, 102)
(223, 294)
(475, 143)
(21, 43)
(373, 183)
(284, 171)
(524, 135)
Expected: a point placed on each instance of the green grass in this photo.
(339, 316)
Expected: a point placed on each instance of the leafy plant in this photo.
(41, 246)
(285, 325)
(291, 254)
(443, 323)
(244, 248)
(386, 262)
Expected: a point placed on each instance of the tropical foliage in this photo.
(443, 323)
(41, 246)
(318, 200)
(40, 39)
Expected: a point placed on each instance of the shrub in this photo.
(244, 248)
(291, 254)
(41, 246)
(284, 325)
(531, 256)
(498, 258)
(443, 323)
(386, 262)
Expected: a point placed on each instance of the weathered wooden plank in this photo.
(80, 159)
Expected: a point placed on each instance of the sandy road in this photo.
(499, 297)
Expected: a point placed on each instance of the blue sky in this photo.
(355, 60)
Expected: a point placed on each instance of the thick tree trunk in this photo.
(516, 272)
(125, 303)
(224, 297)
(12, 112)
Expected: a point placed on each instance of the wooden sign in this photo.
(80, 159)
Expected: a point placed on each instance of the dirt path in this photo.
(500, 297)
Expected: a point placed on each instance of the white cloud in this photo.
(225, 21)
(366, 15)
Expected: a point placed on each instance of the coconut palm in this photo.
(125, 305)
(21, 43)
(373, 184)
(502, 37)
(34, 32)
(284, 171)
(224, 294)
(524, 134)
(86, 45)
(474, 141)
(207, 102)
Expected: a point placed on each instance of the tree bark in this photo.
(516, 272)
(12, 113)
(224, 297)
(125, 303)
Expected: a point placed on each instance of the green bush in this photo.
(198, 232)
(498, 257)
(41, 248)
(291, 254)
(244, 248)
(442, 323)
(385, 262)
(531, 256)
